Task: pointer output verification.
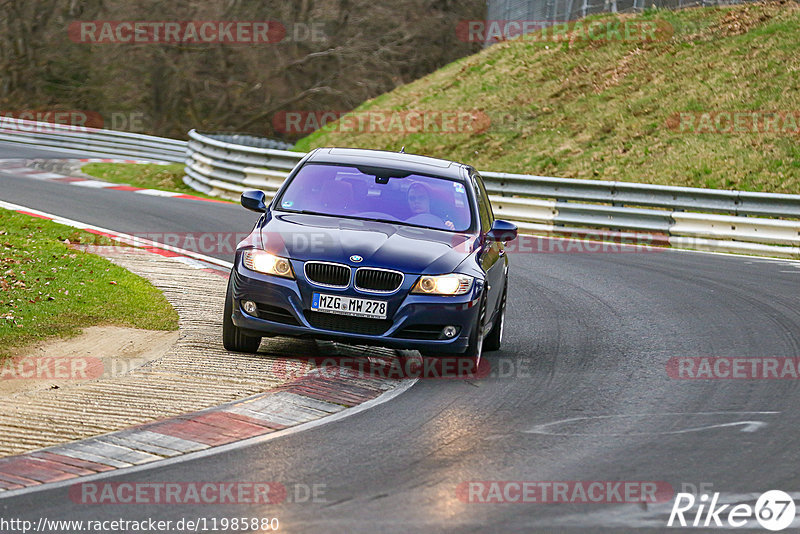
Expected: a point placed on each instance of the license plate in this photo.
(355, 307)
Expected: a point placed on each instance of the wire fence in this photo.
(554, 11)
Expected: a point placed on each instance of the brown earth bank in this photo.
(99, 352)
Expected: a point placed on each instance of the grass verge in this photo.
(50, 290)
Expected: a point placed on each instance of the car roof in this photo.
(389, 160)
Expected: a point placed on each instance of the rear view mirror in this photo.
(255, 201)
(502, 231)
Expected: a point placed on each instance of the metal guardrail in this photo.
(91, 141)
(685, 217)
(703, 219)
(217, 165)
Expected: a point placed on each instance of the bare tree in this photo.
(358, 49)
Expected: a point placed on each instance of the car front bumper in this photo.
(284, 309)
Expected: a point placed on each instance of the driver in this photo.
(419, 201)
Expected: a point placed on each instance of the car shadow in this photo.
(339, 360)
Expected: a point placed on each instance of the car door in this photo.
(492, 255)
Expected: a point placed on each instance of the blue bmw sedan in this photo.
(373, 248)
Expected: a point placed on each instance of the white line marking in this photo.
(44, 175)
(158, 193)
(749, 426)
(27, 172)
(194, 264)
(93, 184)
(119, 236)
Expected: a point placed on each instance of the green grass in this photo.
(50, 290)
(146, 175)
(604, 109)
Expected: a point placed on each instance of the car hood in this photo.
(404, 248)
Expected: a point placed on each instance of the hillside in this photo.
(712, 101)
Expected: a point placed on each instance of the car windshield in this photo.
(380, 194)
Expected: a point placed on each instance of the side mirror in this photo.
(502, 231)
(255, 201)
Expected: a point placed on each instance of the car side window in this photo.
(484, 208)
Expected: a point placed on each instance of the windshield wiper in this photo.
(402, 223)
(375, 219)
(309, 212)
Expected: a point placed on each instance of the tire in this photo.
(495, 336)
(232, 337)
(476, 338)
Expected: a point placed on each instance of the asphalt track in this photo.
(588, 338)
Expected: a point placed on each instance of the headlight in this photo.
(264, 262)
(446, 284)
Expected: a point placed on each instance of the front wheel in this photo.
(232, 337)
(476, 341)
(495, 336)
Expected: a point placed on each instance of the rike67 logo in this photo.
(774, 510)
